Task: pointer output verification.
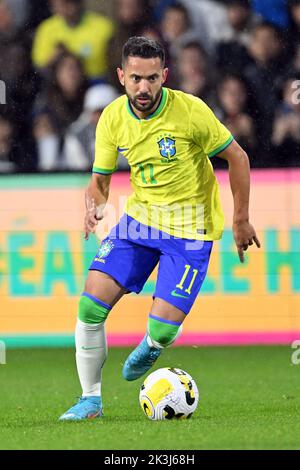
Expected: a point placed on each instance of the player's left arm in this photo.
(239, 175)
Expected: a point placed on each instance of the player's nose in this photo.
(144, 87)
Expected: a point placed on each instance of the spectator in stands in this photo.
(13, 13)
(79, 144)
(234, 111)
(7, 157)
(293, 64)
(296, 59)
(100, 6)
(232, 55)
(286, 129)
(263, 75)
(194, 72)
(15, 154)
(20, 81)
(11, 29)
(39, 10)
(264, 60)
(294, 10)
(159, 7)
(57, 107)
(131, 17)
(209, 18)
(240, 19)
(82, 32)
(21, 89)
(176, 28)
(132, 13)
(272, 11)
(175, 22)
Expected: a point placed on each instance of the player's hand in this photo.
(92, 217)
(244, 236)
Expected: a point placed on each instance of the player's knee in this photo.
(92, 310)
(163, 333)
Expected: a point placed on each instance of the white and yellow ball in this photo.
(169, 393)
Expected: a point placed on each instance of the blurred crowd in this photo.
(58, 61)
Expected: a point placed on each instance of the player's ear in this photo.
(121, 76)
(165, 74)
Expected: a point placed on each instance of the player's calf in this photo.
(161, 333)
(91, 353)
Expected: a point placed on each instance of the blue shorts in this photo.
(132, 250)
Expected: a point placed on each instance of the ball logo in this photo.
(147, 407)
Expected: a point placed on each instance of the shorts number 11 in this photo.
(187, 270)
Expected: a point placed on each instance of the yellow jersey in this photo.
(174, 186)
(88, 40)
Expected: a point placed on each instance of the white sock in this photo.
(91, 352)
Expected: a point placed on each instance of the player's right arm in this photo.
(104, 165)
(95, 200)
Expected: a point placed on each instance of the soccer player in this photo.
(171, 219)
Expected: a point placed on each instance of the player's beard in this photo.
(153, 101)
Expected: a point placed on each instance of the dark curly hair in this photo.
(139, 46)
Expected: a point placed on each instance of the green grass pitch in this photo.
(250, 399)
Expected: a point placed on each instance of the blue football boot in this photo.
(85, 408)
(140, 360)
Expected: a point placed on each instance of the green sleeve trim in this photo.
(102, 171)
(222, 147)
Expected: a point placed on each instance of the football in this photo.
(169, 393)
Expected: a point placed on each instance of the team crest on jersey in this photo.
(167, 148)
(104, 251)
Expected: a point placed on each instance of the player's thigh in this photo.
(163, 309)
(128, 263)
(104, 287)
(180, 276)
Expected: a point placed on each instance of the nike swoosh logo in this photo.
(89, 349)
(120, 149)
(174, 293)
